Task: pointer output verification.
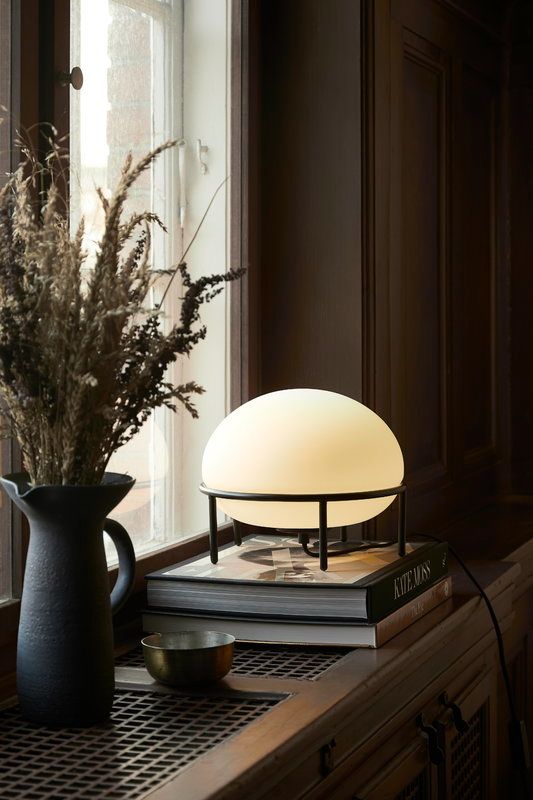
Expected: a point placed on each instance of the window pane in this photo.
(155, 70)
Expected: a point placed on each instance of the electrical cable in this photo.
(343, 548)
(517, 730)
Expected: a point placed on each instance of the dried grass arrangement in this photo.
(83, 361)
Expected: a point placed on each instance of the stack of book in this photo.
(269, 590)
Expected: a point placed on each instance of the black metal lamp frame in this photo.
(321, 499)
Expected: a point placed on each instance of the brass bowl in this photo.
(188, 658)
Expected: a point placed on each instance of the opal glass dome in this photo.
(302, 441)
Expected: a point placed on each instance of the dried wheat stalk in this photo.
(82, 361)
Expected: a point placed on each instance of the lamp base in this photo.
(322, 500)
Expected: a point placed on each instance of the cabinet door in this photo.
(468, 772)
(409, 776)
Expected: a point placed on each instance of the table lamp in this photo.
(303, 460)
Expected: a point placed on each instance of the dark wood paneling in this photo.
(29, 70)
(522, 245)
(475, 265)
(6, 134)
(244, 199)
(438, 381)
(418, 262)
(5, 87)
(310, 192)
(54, 58)
(418, 330)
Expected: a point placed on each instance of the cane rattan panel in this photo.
(468, 760)
(417, 789)
(150, 737)
(269, 661)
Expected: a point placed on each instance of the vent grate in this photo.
(268, 661)
(467, 760)
(417, 789)
(150, 737)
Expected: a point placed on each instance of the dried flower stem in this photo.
(83, 363)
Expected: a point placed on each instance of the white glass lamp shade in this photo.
(302, 441)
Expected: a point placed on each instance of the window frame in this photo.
(40, 48)
(6, 136)
(12, 540)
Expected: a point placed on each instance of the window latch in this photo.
(74, 77)
(201, 150)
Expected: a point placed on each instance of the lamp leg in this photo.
(237, 532)
(213, 529)
(401, 524)
(344, 534)
(323, 533)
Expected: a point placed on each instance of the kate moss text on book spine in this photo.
(395, 590)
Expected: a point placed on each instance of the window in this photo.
(157, 70)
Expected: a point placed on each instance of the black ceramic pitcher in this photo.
(65, 670)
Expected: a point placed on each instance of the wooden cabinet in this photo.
(411, 775)
(446, 751)
(468, 733)
(386, 724)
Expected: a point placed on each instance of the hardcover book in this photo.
(285, 631)
(271, 576)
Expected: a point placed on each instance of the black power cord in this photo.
(341, 548)
(517, 729)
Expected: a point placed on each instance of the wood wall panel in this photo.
(521, 108)
(476, 265)
(311, 284)
(418, 268)
(382, 249)
(6, 83)
(435, 294)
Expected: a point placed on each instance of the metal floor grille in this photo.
(467, 760)
(268, 661)
(150, 737)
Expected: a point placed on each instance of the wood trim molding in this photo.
(430, 200)
(9, 617)
(6, 75)
(408, 47)
(54, 57)
(368, 230)
(378, 390)
(480, 17)
(244, 208)
(238, 205)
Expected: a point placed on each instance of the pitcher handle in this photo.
(126, 563)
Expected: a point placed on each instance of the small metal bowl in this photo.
(188, 658)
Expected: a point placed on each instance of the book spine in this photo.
(266, 633)
(415, 609)
(396, 589)
(280, 631)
